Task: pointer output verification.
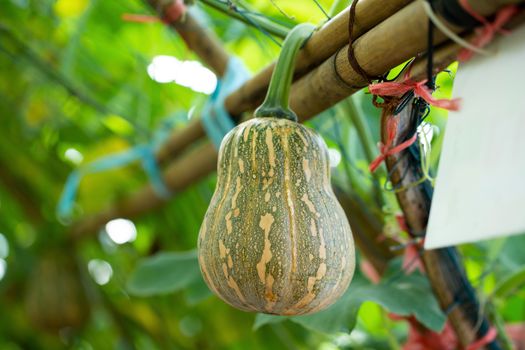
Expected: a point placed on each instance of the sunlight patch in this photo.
(100, 270)
(121, 231)
(74, 156)
(191, 74)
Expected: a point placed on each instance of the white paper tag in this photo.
(480, 185)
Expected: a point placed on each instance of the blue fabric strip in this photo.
(149, 163)
(215, 118)
(143, 152)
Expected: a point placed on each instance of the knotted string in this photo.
(397, 89)
(215, 118)
(386, 150)
(350, 53)
(486, 34)
(171, 14)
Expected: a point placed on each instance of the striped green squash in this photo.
(274, 238)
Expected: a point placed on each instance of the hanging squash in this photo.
(274, 238)
(55, 296)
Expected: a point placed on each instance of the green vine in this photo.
(260, 22)
(276, 104)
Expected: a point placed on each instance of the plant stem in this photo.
(391, 338)
(259, 22)
(364, 134)
(499, 323)
(367, 142)
(276, 102)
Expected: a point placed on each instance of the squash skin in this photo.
(275, 239)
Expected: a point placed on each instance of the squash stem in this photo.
(276, 102)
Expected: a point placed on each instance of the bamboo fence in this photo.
(323, 44)
(324, 80)
(400, 37)
(201, 160)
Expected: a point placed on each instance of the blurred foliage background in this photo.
(77, 83)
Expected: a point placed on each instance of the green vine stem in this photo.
(276, 104)
(367, 142)
(499, 323)
(260, 22)
(363, 132)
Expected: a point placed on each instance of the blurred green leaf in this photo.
(404, 296)
(512, 253)
(510, 284)
(164, 273)
(118, 125)
(197, 291)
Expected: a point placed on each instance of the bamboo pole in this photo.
(315, 86)
(444, 268)
(389, 44)
(323, 44)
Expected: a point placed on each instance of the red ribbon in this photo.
(486, 339)
(420, 89)
(387, 150)
(172, 13)
(486, 34)
(400, 218)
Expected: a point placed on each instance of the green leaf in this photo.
(264, 319)
(197, 291)
(404, 295)
(512, 253)
(118, 125)
(510, 284)
(164, 273)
